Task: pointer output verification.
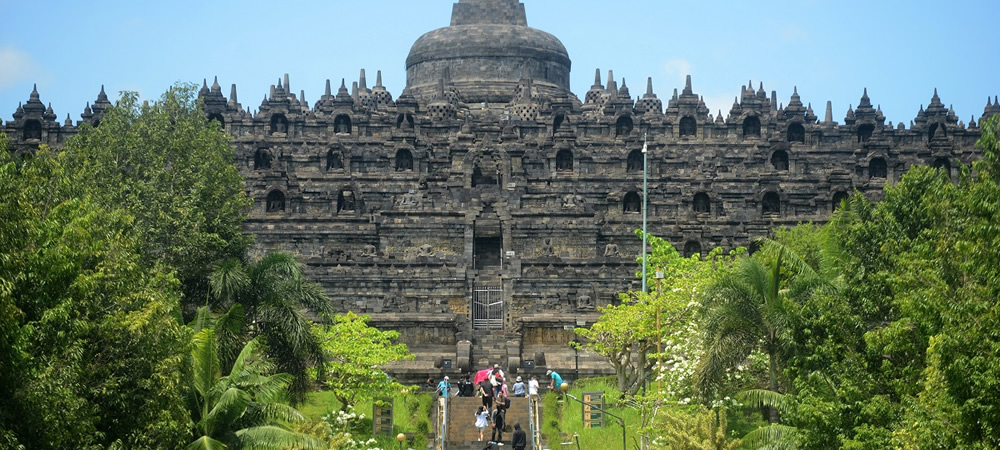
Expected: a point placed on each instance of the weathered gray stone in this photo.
(477, 176)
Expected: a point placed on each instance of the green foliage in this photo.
(173, 172)
(242, 409)
(627, 334)
(354, 355)
(326, 421)
(906, 354)
(91, 353)
(101, 243)
(701, 429)
(754, 306)
(267, 299)
(654, 423)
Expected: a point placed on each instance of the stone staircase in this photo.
(462, 431)
(490, 347)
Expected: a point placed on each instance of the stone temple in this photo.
(486, 210)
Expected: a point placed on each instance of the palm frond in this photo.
(202, 319)
(775, 436)
(204, 361)
(205, 443)
(230, 406)
(310, 295)
(228, 280)
(264, 388)
(249, 351)
(230, 329)
(270, 412)
(763, 398)
(285, 318)
(774, 250)
(276, 264)
(272, 437)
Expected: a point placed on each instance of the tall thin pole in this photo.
(644, 168)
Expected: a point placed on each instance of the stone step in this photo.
(475, 445)
(462, 419)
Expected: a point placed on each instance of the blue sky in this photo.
(830, 50)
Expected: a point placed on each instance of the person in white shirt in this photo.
(482, 420)
(533, 388)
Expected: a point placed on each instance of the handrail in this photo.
(443, 421)
(534, 421)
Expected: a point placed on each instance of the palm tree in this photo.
(239, 410)
(749, 309)
(274, 296)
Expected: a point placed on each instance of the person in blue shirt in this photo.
(519, 388)
(557, 380)
(443, 389)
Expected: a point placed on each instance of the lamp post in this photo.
(400, 438)
(576, 358)
(644, 190)
(621, 421)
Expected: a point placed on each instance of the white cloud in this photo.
(677, 70)
(15, 66)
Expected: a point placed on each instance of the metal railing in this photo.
(442, 425)
(534, 422)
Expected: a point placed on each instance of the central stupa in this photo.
(488, 49)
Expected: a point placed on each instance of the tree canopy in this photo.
(172, 170)
(91, 349)
(355, 356)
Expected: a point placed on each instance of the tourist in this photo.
(533, 388)
(443, 389)
(496, 379)
(486, 391)
(519, 389)
(519, 440)
(465, 388)
(499, 422)
(482, 420)
(557, 380)
(503, 401)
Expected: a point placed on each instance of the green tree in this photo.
(273, 295)
(355, 355)
(702, 429)
(91, 350)
(752, 307)
(242, 409)
(172, 170)
(627, 334)
(906, 356)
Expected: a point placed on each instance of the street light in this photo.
(621, 421)
(576, 357)
(644, 191)
(400, 437)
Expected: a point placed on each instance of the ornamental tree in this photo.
(354, 354)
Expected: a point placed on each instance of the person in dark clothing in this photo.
(487, 392)
(465, 387)
(520, 439)
(499, 422)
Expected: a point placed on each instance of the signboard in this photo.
(593, 417)
(382, 417)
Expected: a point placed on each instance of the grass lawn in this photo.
(564, 419)
(411, 415)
